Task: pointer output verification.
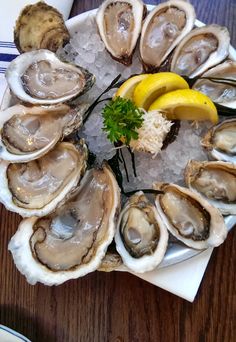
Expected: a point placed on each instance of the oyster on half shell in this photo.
(40, 77)
(222, 93)
(163, 29)
(119, 23)
(189, 217)
(27, 133)
(215, 181)
(200, 50)
(141, 237)
(220, 141)
(73, 240)
(37, 187)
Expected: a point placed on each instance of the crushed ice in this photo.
(87, 50)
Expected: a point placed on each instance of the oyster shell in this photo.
(163, 29)
(215, 181)
(37, 187)
(40, 26)
(40, 77)
(141, 237)
(119, 23)
(220, 141)
(189, 217)
(200, 50)
(27, 133)
(110, 262)
(73, 240)
(219, 92)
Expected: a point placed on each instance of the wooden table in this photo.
(118, 306)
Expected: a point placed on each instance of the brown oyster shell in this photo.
(30, 34)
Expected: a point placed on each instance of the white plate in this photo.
(9, 335)
(176, 252)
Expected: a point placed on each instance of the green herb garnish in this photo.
(121, 118)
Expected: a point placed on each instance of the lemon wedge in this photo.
(153, 86)
(186, 104)
(126, 90)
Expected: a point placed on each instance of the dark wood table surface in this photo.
(118, 306)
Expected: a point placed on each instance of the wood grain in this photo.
(118, 306)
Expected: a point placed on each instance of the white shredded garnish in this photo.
(152, 133)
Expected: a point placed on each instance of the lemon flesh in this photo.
(155, 85)
(126, 90)
(186, 104)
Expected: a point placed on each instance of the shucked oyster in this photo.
(222, 93)
(27, 133)
(40, 26)
(73, 240)
(201, 49)
(37, 187)
(163, 29)
(119, 23)
(141, 237)
(39, 77)
(189, 217)
(220, 141)
(216, 181)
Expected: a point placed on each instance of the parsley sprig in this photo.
(121, 118)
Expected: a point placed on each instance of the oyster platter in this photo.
(117, 139)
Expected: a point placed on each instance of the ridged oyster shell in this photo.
(40, 77)
(73, 240)
(189, 217)
(200, 50)
(27, 133)
(220, 141)
(36, 188)
(40, 26)
(119, 23)
(215, 181)
(141, 237)
(163, 29)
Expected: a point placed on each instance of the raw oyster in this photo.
(220, 141)
(73, 240)
(141, 237)
(215, 181)
(40, 77)
(37, 187)
(163, 29)
(189, 217)
(119, 23)
(219, 92)
(40, 26)
(27, 133)
(201, 49)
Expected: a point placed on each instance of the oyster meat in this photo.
(141, 237)
(40, 77)
(73, 240)
(37, 187)
(163, 29)
(216, 181)
(200, 50)
(119, 23)
(189, 217)
(27, 133)
(220, 141)
(222, 93)
(40, 26)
